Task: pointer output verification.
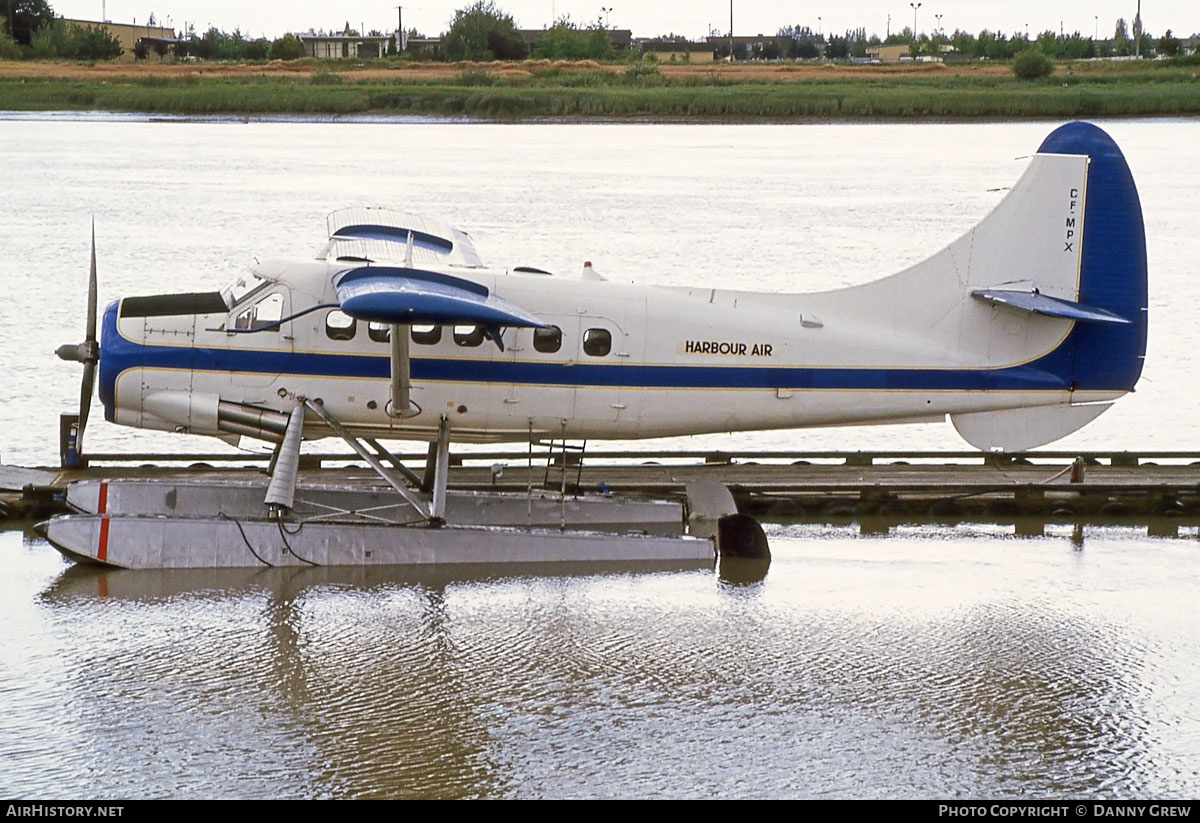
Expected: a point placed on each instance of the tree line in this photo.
(482, 31)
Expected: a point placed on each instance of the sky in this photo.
(271, 18)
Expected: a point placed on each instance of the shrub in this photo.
(287, 47)
(1032, 65)
(643, 74)
(474, 77)
(325, 77)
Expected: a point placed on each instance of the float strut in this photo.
(441, 470)
(372, 461)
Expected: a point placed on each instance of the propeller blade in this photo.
(87, 352)
(91, 304)
(85, 402)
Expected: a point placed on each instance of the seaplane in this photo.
(1021, 331)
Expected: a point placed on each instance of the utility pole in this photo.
(1137, 33)
(400, 38)
(731, 30)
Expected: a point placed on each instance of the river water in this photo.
(959, 662)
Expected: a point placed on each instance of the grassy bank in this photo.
(573, 91)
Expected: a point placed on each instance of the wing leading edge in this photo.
(402, 295)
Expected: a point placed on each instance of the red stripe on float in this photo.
(101, 508)
(102, 551)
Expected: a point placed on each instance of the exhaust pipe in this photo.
(248, 420)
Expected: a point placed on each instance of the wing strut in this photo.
(401, 405)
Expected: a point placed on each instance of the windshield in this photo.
(241, 288)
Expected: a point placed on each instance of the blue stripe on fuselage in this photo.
(126, 354)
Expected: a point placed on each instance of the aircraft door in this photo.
(538, 370)
(262, 341)
(610, 344)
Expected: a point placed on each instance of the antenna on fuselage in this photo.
(408, 251)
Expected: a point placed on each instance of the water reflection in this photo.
(742, 571)
(898, 667)
(359, 668)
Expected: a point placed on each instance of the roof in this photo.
(354, 38)
(674, 45)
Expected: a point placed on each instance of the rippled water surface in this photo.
(928, 662)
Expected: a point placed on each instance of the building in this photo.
(756, 46)
(127, 34)
(332, 46)
(678, 51)
(423, 46)
(888, 54)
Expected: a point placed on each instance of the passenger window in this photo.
(265, 312)
(547, 340)
(379, 332)
(597, 342)
(340, 326)
(428, 335)
(468, 335)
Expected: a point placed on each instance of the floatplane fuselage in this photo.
(1021, 331)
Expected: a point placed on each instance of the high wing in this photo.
(387, 294)
(378, 235)
(401, 296)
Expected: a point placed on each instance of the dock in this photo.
(1160, 490)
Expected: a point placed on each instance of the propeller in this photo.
(87, 352)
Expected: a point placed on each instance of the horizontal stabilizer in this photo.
(1033, 301)
(1015, 430)
(400, 295)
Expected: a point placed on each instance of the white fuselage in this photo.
(633, 361)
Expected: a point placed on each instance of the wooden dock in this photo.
(1156, 488)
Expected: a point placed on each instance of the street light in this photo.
(818, 25)
(607, 10)
(939, 24)
(915, 6)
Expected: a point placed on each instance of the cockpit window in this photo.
(242, 288)
(340, 326)
(265, 312)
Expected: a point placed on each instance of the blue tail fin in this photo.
(1107, 356)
